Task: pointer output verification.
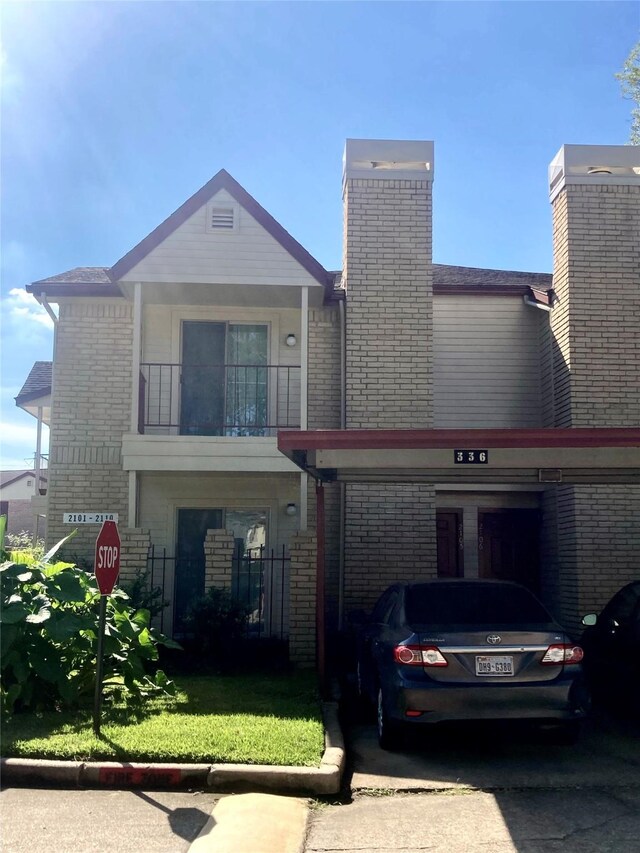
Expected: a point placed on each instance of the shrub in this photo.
(216, 622)
(142, 594)
(22, 548)
(49, 639)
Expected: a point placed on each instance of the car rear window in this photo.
(473, 604)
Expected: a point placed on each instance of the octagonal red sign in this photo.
(107, 561)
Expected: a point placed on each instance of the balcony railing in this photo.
(218, 399)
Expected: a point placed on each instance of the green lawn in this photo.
(253, 719)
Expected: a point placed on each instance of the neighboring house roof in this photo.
(7, 477)
(37, 383)
(223, 181)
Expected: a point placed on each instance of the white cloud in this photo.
(13, 433)
(21, 306)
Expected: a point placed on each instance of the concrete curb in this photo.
(325, 779)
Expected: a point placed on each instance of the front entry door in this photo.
(449, 543)
(189, 575)
(508, 546)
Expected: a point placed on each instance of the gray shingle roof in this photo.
(79, 275)
(445, 274)
(37, 383)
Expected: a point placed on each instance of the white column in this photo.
(133, 499)
(135, 361)
(304, 355)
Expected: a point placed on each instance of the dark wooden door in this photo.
(449, 541)
(508, 545)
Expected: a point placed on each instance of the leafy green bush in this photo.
(49, 639)
(217, 623)
(22, 548)
(142, 593)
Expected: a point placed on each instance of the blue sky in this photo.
(114, 113)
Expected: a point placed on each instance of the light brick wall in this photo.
(20, 516)
(388, 272)
(390, 529)
(90, 412)
(323, 410)
(390, 536)
(218, 556)
(595, 347)
(302, 599)
(134, 549)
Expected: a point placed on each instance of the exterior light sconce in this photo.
(291, 509)
(291, 340)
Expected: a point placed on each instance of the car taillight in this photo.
(562, 653)
(419, 656)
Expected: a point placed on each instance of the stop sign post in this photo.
(106, 569)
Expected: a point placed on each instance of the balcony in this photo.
(226, 400)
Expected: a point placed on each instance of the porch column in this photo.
(302, 599)
(135, 357)
(218, 559)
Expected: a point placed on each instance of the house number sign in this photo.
(88, 517)
(471, 457)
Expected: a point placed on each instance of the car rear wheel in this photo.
(389, 731)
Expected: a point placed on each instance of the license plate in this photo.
(494, 665)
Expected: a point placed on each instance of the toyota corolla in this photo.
(448, 650)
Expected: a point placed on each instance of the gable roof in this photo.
(223, 180)
(8, 477)
(37, 383)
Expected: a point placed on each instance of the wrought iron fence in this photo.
(222, 399)
(259, 582)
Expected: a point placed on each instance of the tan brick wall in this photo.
(595, 330)
(134, 549)
(302, 599)
(388, 271)
(323, 410)
(218, 555)
(390, 529)
(390, 536)
(90, 412)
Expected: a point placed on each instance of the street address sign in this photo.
(107, 562)
(88, 517)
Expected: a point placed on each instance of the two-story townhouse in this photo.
(175, 368)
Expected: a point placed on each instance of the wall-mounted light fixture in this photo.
(291, 509)
(291, 340)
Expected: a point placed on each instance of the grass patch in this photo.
(250, 719)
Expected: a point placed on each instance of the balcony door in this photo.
(224, 379)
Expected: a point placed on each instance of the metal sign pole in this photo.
(97, 703)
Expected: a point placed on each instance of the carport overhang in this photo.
(467, 456)
(573, 456)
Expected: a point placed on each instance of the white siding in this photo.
(247, 255)
(487, 369)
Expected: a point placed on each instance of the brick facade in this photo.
(218, 556)
(91, 409)
(390, 530)
(134, 550)
(595, 357)
(302, 599)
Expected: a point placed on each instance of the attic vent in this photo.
(222, 217)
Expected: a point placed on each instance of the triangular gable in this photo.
(222, 181)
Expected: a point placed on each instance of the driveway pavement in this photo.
(498, 757)
(488, 790)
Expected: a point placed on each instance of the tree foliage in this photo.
(629, 79)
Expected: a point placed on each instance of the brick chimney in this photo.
(389, 321)
(388, 273)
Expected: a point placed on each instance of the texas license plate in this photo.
(494, 665)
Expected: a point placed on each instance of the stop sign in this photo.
(107, 563)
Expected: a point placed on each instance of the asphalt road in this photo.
(89, 821)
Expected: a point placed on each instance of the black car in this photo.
(611, 643)
(446, 650)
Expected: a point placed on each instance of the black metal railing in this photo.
(259, 582)
(218, 399)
